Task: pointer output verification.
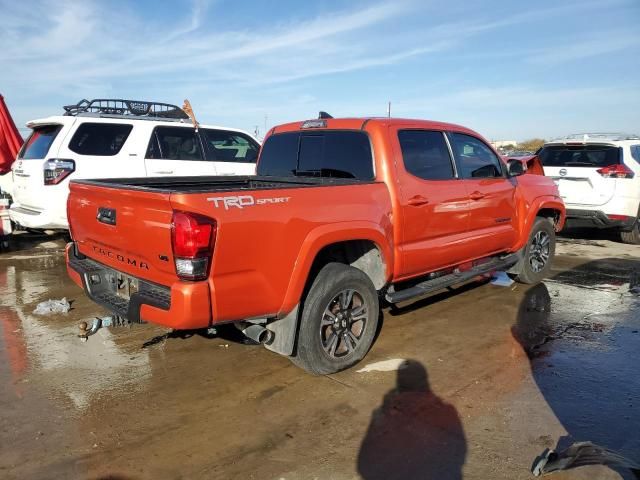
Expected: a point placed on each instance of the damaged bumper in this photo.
(181, 306)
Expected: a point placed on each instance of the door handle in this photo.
(163, 172)
(417, 200)
(477, 195)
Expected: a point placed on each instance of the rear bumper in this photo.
(29, 218)
(596, 219)
(183, 305)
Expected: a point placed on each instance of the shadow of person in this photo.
(413, 434)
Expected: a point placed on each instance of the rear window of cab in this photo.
(329, 153)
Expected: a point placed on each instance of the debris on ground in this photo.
(501, 279)
(52, 306)
(383, 366)
(581, 454)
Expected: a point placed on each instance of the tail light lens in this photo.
(193, 238)
(57, 169)
(616, 171)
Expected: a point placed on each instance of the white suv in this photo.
(598, 175)
(114, 139)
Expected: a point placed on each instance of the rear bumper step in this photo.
(433, 285)
(181, 305)
(99, 283)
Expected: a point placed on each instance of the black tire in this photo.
(632, 236)
(326, 320)
(539, 252)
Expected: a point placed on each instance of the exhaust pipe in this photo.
(257, 333)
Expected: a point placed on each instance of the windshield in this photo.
(39, 142)
(337, 154)
(579, 156)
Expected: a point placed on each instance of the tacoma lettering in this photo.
(121, 258)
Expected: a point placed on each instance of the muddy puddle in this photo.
(512, 370)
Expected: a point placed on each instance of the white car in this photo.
(115, 139)
(598, 175)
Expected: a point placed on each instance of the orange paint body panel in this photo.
(267, 238)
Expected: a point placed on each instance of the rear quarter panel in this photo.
(263, 252)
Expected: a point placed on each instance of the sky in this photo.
(509, 70)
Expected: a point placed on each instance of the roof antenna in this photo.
(389, 109)
(189, 111)
(324, 115)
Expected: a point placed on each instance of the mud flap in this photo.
(284, 330)
(517, 268)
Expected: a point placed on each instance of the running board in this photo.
(430, 286)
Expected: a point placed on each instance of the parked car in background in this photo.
(117, 138)
(598, 175)
(342, 213)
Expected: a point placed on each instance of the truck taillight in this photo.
(193, 238)
(57, 169)
(616, 171)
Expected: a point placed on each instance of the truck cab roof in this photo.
(360, 123)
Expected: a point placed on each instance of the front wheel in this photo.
(339, 320)
(539, 252)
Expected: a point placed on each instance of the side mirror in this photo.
(515, 168)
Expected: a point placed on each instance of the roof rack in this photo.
(612, 136)
(135, 108)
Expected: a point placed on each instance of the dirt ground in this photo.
(490, 377)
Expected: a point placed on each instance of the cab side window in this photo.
(425, 154)
(226, 146)
(175, 143)
(474, 158)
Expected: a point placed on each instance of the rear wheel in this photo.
(633, 235)
(338, 322)
(539, 252)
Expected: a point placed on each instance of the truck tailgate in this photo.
(127, 230)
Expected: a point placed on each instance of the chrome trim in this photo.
(451, 157)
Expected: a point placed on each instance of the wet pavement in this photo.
(470, 384)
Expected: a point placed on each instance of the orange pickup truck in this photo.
(343, 216)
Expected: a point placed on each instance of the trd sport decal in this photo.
(242, 201)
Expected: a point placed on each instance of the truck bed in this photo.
(218, 184)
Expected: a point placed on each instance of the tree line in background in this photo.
(531, 145)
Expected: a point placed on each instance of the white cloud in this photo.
(55, 52)
(579, 49)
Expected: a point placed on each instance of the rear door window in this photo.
(175, 143)
(336, 154)
(100, 139)
(39, 142)
(594, 156)
(223, 146)
(474, 157)
(425, 154)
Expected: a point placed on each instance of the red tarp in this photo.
(10, 139)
